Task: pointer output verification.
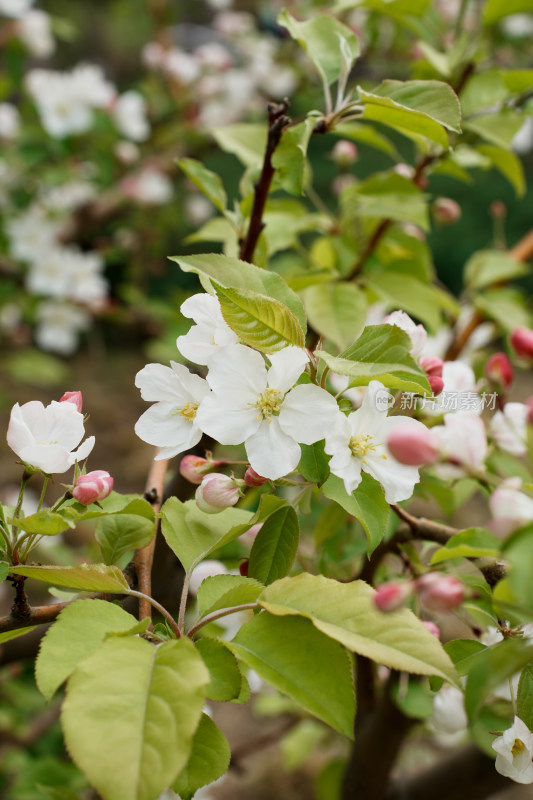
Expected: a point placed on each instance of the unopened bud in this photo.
(243, 568)
(446, 211)
(439, 592)
(251, 478)
(93, 486)
(73, 397)
(432, 628)
(436, 383)
(499, 370)
(522, 342)
(218, 491)
(413, 445)
(194, 468)
(391, 596)
(405, 170)
(344, 153)
(498, 209)
(432, 365)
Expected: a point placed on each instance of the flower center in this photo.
(518, 747)
(269, 403)
(188, 411)
(361, 445)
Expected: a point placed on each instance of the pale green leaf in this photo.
(262, 322)
(85, 577)
(417, 298)
(6, 636)
(275, 546)
(483, 90)
(146, 701)
(346, 612)
(47, 522)
(208, 761)
(508, 164)
(122, 532)
(298, 660)
(231, 273)
(367, 504)
(331, 46)
(395, 8)
(505, 305)
(387, 196)
(337, 311)
(314, 462)
(224, 591)
(499, 129)
(524, 698)
(367, 134)
(246, 141)
(290, 156)
(117, 503)
(4, 569)
(492, 266)
(494, 10)
(79, 629)
(518, 80)
(491, 668)
(225, 676)
(471, 543)
(209, 183)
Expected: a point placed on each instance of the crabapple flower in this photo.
(45, 436)
(194, 468)
(260, 407)
(439, 592)
(210, 331)
(514, 750)
(413, 447)
(171, 422)
(358, 442)
(417, 333)
(217, 492)
(463, 440)
(449, 715)
(508, 428)
(510, 507)
(95, 485)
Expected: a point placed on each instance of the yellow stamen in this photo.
(188, 411)
(518, 747)
(269, 403)
(361, 445)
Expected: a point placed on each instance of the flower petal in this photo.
(271, 452)
(398, 480)
(239, 373)
(287, 366)
(308, 413)
(225, 421)
(161, 426)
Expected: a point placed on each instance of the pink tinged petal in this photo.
(225, 421)
(463, 439)
(287, 366)
(158, 382)
(271, 452)
(161, 426)
(398, 480)
(308, 413)
(509, 429)
(237, 373)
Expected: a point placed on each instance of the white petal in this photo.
(345, 466)
(308, 413)
(509, 429)
(193, 386)
(83, 450)
(397, 480)
(19, 433)
(287, 366)
(51, 458)
(239, 373)
(61, 423)
(463, 439)
(271, 452)
(225, 421)
(369, 417)
(161, 426)
(202, 308)
(158, 382)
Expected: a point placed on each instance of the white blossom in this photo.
(514, 750)
(417, 333)
(510, 508)
(129, 113)
(463, 441)
(508, 428)
(210, 331)
(35, 31)
(449, 715)
(9, 121)
(31, 234)
(59, 325)
(150, 186)
(14, 8)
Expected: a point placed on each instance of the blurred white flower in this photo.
(206, 569)
(149, 186)
(31, 234)
(449, 713)
(35, 31)
(181, 66)
(59, 325)
(14, 8)
(515, 751)
(129, 113)
(463, 440)
(510, 508)
(9, 121)
(508, 428)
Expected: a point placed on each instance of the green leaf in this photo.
(406, 292)
(47, 522)
(85, 577)
(298, 660)
(524, 697)
(518, 80)
(225, 591)
(381, 353)
(483, 90)
(492, 266)
(518, 551)
(122, 532)
(209, 759)
(146, 701)
(117, 503)
(395, 8)
(414, 107)
(193, 535)
(387, 196)
(464, 653)
(331, 46)
(367, 134)
(33, 367)
(246, 141)
(4, 569)
(262, 322)
(494, 10)
(224, 672)
(275, 546)
(208, 182)
(499, 129)
(508, 164)
(346, 612)
(493, 666)
(290, 156)
(6, 636)
(414, 698)
(367, 504)
(506, 306)
(57, 792)
(79, 629)
(471, 543)
(314, 463)
(337, 311)
(231, 273)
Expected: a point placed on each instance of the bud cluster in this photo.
(436, 591)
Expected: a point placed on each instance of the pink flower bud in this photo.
(446, 211)
(93, 486)
(193, 468)
(414, 446)
(217, 491)
(251, 478)
(498, 369)
(73, 397)
(436, 383)
(391, 596)
(432, 628)
(439, 592)
(432, 365)
(522, 342)
(344, 153)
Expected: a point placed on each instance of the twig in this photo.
(144, 557)
(424, 528)
(277, 122)
(218, 614)
(258, 743)
(39, 615)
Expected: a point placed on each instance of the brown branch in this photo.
(144, 557)
(40, 615)
(241, 751)
(277, 122)
(423, 528)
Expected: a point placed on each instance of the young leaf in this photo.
(209, 759)
(85, 577)
(314, 463)
(4, 569)
(506, 162)
(224, 591)
(337, 311)
(224, 672)
(492, 266)
(290, 156)
(499, 129)
(79, 629)
(494, 10)
(209, 183)
(292, 655)
(275, 546)
(146, 701)
(387, 196)
(118, 533)
(346, 613)
(247, 141)
(492, 667)
(47, 522)
(6, 636)
(260, 321)
(367, 504)
(471, 543)
(524, 698)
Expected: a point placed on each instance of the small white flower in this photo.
(508, 428)
(259, 407)
(14, 8)
(417, 333)
(150, 186)
(510, 507)
(210, 332)
(9, 121)
(515, 751)
(45, 436)
(171, 422)
(35, 30)
(130, 116)
(59, 325)
(358, 443)
(449, 715)
(463, 440)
